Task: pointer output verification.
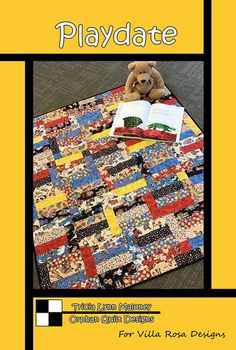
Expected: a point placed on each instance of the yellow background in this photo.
(177, 314)
(223, 146)
(29, 26)
(12, 204)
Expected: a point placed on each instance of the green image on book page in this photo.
(166, 119)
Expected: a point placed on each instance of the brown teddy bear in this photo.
(143, 80)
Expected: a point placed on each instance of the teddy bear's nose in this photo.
(143, 81)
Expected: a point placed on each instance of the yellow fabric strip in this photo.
(182, 175)
(112, 107)
(139, 145)
(102, 134)
(50, 201)
(37, 139)
(192, 125)
(69, 159)
(112, 221)
(131, 187)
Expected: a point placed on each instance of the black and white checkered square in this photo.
(48, 313)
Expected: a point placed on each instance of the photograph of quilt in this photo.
(109, 213)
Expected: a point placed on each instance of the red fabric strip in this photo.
(172, 251)
(161, 135)
(120, 89)
(100, 122)
(192, 146)
(94, 148)
(45, 247)
(90, 267)
(40, 175)
(132, 142)
(105, 177)
(172, 101)
(184, 246)
(38, 123)
(56, 122)
(151, 203)
(128, 131)
(167, 209)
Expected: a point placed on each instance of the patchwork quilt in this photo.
(110, 213)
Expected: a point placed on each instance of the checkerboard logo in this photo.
(48, 313)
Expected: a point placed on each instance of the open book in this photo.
(140, 119)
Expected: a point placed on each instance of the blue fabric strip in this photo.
(57, 156)
(109, 253)
(35, 215)
(90, 117)
(53, 254)
(40, 144)
(186, 134)
(196, 179)
(164, 165)
(55, 177)
(132, 178)
(66, 282)
(72, 133)
(197, 161)
(196, 242)
(105, 94)
(85, 180)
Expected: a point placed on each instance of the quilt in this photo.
(112, 212)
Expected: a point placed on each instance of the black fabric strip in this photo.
(53, 145)
(124, 208)
(90, 230)
(121, 166)
(84, 214)
(41, 182)
(92, 193)
(105, 152)
(195, 171)
(114, 278)
(190, 210)
(168, 189)
(44, 276)
(154, 236)
(188, 257)
(86, 153)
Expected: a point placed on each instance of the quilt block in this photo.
(48, 313)
(113, 212)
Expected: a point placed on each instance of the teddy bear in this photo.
(143, 80)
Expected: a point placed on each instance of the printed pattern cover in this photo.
(110, 213)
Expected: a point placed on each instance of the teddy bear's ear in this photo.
(152, 63)
(131, 65)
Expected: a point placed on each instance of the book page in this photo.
(131, 118)
(164, 122)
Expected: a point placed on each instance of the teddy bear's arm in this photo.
(129, 83)
(158, 79)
